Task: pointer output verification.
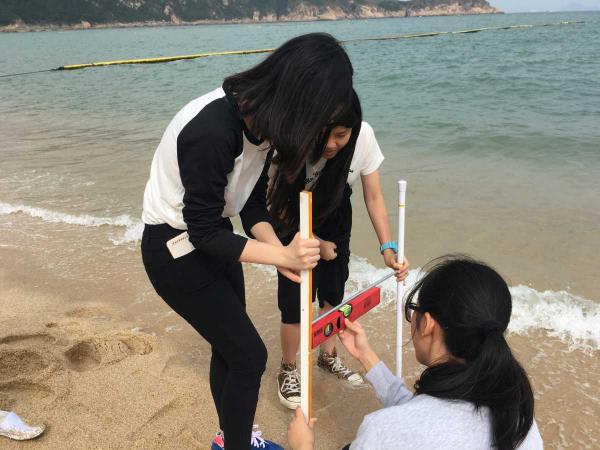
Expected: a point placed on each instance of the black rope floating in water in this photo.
(269, 50)
(28, 73)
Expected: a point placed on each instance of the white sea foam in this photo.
(59, 217)
(133, 227)
(132, 234)
(363, 273)
(572, 319)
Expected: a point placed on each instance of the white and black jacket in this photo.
(209, 167)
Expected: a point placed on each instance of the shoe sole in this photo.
(285, 402)
(23, 435)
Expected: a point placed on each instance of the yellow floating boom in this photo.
(268, 50)
(163, 59)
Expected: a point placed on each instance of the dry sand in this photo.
(94, 382)
(97, 382)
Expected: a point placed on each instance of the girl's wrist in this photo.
(285, 257)
(369, 359)
(388, 252)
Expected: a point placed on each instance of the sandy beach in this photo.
(107, 366)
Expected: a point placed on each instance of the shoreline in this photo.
(22, 27)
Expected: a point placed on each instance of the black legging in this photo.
(210, 296)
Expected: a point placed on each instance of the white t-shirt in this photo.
(366, 159)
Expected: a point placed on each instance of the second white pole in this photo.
(400, 286)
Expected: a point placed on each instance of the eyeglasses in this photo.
(409, 309)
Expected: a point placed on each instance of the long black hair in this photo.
(293, 94)
(472, 304)
(329, 189)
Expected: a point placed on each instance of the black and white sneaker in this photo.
(288, 386)
(333, 364)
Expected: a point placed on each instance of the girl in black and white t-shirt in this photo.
(348, 151)
(212, 164)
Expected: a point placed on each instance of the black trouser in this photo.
(209, 295)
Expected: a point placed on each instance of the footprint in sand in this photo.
(103, 350)
(89, 312)
(29, 339)
(18, 363)
(20, 393)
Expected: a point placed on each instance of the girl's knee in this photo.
(251, 361)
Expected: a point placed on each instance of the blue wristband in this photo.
(389, 245)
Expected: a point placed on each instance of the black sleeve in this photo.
(205, 157)
(255, 209)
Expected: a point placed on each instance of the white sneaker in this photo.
(12, 427)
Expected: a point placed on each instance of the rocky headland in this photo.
(16, 16)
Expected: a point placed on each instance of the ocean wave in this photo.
(133, 227)
(572, 319)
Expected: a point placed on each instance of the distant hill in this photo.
(86, 13)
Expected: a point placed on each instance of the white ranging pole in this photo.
(400, 286)
(306, 312)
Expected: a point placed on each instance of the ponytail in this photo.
(472, 304)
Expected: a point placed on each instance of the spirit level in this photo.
(352, 308)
